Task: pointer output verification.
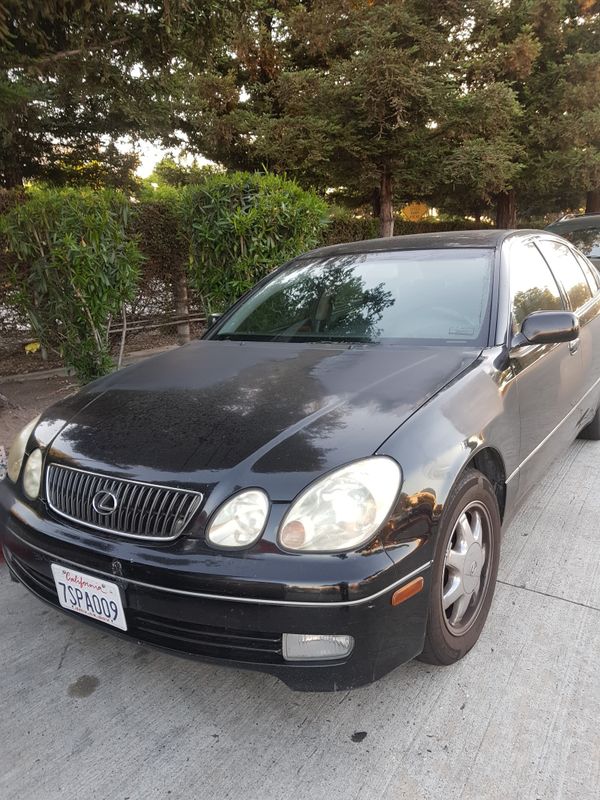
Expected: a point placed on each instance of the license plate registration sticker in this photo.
(93, 597)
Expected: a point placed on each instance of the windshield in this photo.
(425, 296)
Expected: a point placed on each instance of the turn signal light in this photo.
(408, 590)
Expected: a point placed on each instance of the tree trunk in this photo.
(375, 204)
(123, 335)
(386, 204)
(182, 306)
(592, 203)
(506, 210)
(13, 174)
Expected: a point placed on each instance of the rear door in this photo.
(549, 377)
(584, 299)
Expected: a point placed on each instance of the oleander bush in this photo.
(241, 226)
(73, 265)
(156, 224)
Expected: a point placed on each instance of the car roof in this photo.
(575, 223)
(488, 238)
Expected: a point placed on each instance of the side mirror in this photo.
(547, 327)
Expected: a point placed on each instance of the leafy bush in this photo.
(169, 172)
(157, 223)
(10, 316)
(241, 226)
(73, 267)
(345, 226)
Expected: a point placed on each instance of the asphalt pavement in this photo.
(85, 715)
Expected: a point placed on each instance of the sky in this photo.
(150, 154)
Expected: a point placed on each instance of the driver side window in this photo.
(532, 285)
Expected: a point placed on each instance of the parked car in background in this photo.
(583, 230)
(317, 487)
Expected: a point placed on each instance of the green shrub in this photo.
(157, 226)
(8, 317)
(72, 269)
(243, 225)
(345, 226)
(157, 223)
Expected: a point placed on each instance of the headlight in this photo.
(17, 451)
(343, 509)
(32, 475)
(240, 520)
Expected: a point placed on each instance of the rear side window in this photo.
(590, 273)
(587, 240)
(567, 270)
(532, 285)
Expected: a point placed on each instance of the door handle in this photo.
(574, 346)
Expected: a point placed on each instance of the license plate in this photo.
(93, 597)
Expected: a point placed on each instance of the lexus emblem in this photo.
(104, 503)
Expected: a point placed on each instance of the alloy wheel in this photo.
(466, 576)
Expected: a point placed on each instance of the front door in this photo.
(549, 377)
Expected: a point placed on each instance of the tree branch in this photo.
(69, 53)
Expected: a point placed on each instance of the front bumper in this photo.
(243, 630)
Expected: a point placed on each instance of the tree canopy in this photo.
(76, 76)
(470, 106)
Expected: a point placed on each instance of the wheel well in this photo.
(489, 462)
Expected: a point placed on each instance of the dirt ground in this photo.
(15, 360)
(24, 399)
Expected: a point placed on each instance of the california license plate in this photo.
(93, 597)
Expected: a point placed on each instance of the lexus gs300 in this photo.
(317, 487)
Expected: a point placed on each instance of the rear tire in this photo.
(464, 570)
(592, 429)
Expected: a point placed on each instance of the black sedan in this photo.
(317, 487)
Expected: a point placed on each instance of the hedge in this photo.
(241, 226)
(344, 226)
(71, 260)
(156, 224)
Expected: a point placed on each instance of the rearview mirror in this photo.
(547, 327)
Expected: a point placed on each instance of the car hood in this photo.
(258, 413)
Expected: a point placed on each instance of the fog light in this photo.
(32, 474)
(315, 646)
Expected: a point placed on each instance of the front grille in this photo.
(117, 505)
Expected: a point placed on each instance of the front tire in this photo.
(464, 570)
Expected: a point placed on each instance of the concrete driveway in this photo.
(86, 715)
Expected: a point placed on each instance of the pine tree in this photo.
(547, 52)
(343, 94)
(75, 76)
